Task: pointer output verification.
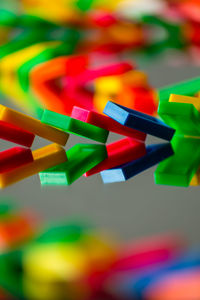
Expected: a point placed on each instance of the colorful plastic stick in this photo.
(15, 134)
(186, 88)
(155, 154)
(184, 117)
(185, 99)
(139, 121)
(33, 125)
(81, 158)
(13, 158)
(179, 169)
(43, 158)
(119, 153)
(74, 126)
(105, 122)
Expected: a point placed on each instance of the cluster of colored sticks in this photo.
(65, 66)
(117, 161)
(73, 260)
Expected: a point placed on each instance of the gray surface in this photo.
(132, 209)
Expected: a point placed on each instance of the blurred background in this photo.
(132, 209)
